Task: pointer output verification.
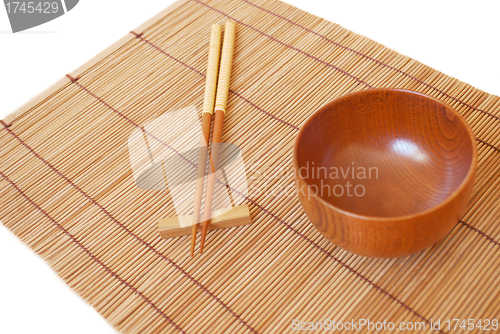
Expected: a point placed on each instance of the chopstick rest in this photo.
(179, 226)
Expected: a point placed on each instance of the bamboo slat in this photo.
(67, 188)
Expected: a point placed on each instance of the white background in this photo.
(461, 39)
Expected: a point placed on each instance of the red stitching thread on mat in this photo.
(203, 75)
(136, 34)
(284, 44)
(280, 220)
(111, 272)
(488, 144)
(372, 59)
(168, 55)
(265, 112)
(480, 232)
(186, 274)
(123, 116)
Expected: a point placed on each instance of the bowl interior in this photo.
(384, 153)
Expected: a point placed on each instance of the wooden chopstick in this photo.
(208, 109)
(220, 111)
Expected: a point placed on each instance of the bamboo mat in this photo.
(67, 188)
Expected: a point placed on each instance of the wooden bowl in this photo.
(389, 171)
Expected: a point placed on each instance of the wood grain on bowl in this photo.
(385, 172)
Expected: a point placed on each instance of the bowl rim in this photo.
(470, 174)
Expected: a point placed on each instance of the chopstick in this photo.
(220, 112)
(208, 109)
